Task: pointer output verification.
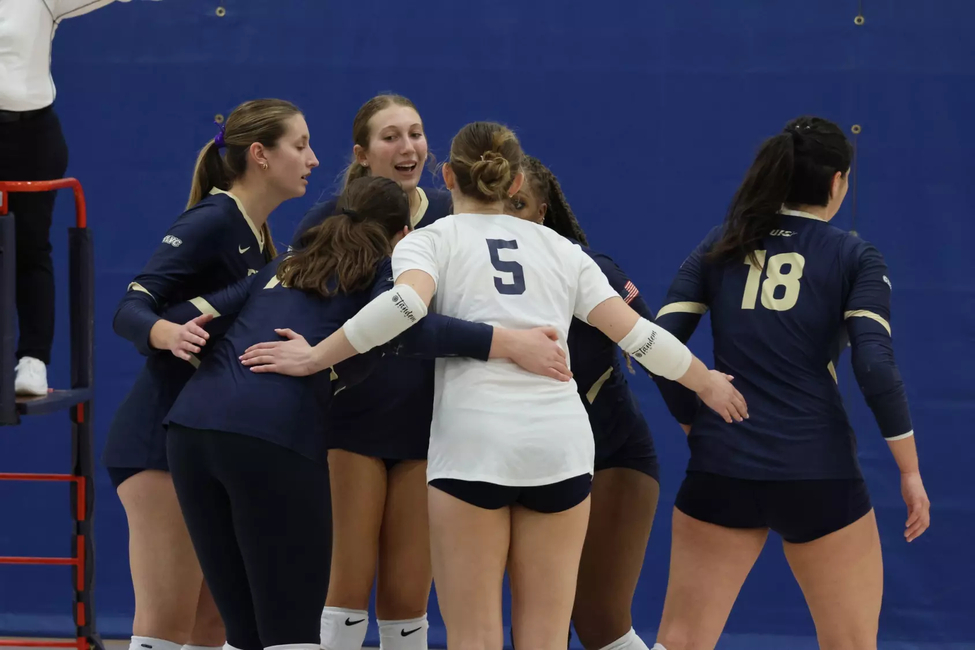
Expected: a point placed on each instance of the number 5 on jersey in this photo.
(776, 278)
(517, 284)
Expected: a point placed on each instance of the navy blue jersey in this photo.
(359, 421)
(225, 395)
(211, 245)
(613, 410)
(778, 329)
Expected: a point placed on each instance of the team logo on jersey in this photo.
(175, 242)
(781, 233)
(251, 272)
(243, 250)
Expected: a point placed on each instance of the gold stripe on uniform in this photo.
(832, 371)
(591, 395)
(258, 235)
(194, 360)
(683, 308)
(205, 308)
(868, 314)
(135, 286)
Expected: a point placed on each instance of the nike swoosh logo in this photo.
(349, 621)
(405, 633)
(243, 250)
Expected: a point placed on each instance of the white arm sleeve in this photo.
(657, 350)
(594, 288)
(387, 316)
(419, 251)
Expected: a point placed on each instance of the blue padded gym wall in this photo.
(649, 113)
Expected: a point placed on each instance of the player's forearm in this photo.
(881, 384)
(161, 334)
(332, 351)
(442, 336)
(904, 451)
(135, 319)
(697, 376)
(653, 347)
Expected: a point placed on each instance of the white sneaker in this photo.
(31, 377)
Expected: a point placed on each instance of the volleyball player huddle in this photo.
(427, 387)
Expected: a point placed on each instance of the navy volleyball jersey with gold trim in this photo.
(359, 422)
(225, 395)
(621, 433)
(775, 329)
(211, 245)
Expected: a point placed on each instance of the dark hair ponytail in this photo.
(559, 216)
(342, 252)
(754, 210)
(795, 167)
(210, 171)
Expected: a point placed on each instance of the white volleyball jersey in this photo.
(493, 421)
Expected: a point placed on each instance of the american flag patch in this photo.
(631, 292)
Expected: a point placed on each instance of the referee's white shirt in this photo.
(493, 421)
(26, 32)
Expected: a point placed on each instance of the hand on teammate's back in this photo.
(723, 398)
(536, 350)
(292, 356)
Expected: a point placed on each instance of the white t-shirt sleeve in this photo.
(62, 9)
(419, 251)
(594, 288)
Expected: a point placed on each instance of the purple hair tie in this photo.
(218, 139)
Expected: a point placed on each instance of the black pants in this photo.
(33, 149)
(260, 519)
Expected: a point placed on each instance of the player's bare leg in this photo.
(166, 574)
(708, 565)
(842, 578)
(624, 502)
(405, 572)
(543, 567)
(469, 547)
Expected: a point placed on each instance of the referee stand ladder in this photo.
(76, 400)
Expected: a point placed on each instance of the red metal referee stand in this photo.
(76, 400)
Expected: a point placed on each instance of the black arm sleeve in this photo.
(867, 314)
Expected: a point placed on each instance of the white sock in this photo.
(629, 641)
(344, 629)
(294, 646)
(227, 646)
(657, 646)
(410, 634)
(148, 643)
(204, 647)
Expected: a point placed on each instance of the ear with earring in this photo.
(264, 166)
